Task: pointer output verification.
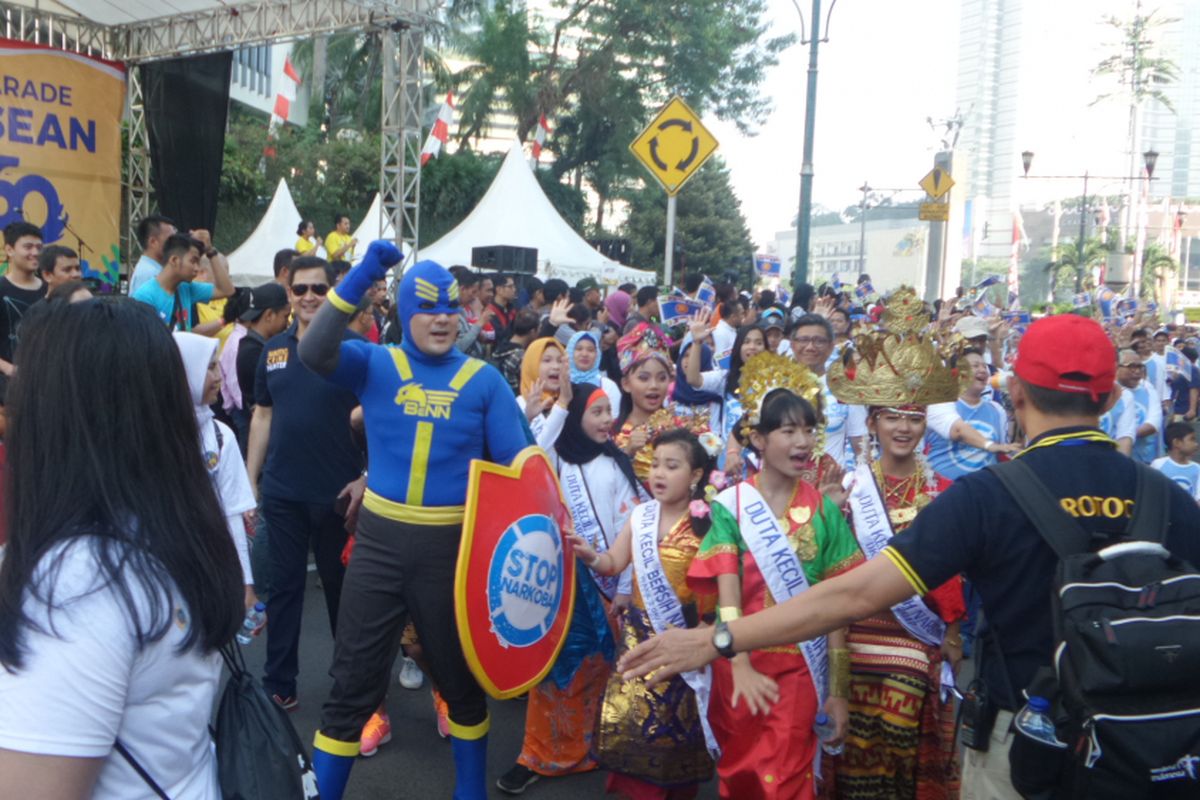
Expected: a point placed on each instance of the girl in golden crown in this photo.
(772, 536)
(901, 742)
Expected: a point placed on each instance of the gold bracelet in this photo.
(955, 642)
(729, 613)
(839, 672)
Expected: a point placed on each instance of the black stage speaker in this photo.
(505, 258)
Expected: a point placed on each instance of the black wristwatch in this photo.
(212, 252)
(723, 640)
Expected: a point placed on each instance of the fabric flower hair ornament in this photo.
(643, 342)
(711, 443)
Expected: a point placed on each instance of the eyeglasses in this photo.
(1133, 366)
(301, 289)
(805, 341)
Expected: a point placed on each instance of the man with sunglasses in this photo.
(301, 443)
(1131, 374)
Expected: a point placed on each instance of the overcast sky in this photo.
(887, 66)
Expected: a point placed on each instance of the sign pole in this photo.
(669, 257)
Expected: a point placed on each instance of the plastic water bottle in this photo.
(825, 729)
(1034, 721)
(255, 619)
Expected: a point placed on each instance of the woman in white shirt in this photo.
(120, 581)
(545, 390)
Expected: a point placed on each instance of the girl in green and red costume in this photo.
(772, 536)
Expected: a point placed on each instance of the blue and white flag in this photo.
(678, 310)
(1106, 299)
(1083, 300)
(864, 290)
(767, 266)
(983, 308)
(707, 293)
(782, 296)
(990, 280)
(1177, 363)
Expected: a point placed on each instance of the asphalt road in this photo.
(417, 763)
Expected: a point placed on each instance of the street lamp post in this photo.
(800, 270)
(862, 230)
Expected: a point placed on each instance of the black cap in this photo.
(263, 298)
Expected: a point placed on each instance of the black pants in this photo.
(397, 570)
(294, 527)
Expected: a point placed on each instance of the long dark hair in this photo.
(698, 458)
(103, 442)
(736, 362)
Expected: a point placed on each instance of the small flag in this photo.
(990, 280)
(283, 106)
(539, 137)
(982, 307)
(837, 283)
(1083, 299)
(677, 292)
(1178, 364)
(707, 293)
(678, 310)
(864, 290)
(1105, 298)
(439, 135)
(782, 296)
(767, 266)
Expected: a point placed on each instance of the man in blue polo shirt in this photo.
(1063, 379)
(300, 441)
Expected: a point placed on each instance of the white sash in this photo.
(873, 530)
(780, 567)
(663, 606)
(587, 524)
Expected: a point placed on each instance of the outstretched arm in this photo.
(321, 346)
(829, 605)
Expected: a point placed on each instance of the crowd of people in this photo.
(799, 494)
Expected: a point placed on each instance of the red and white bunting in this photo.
(440, 134)
(539, 137)
(283, 104)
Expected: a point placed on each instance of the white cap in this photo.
(971, 327)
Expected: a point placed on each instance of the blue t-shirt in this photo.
(1181, 384)
(1186, 475)
(312, 454)
(955, 459)
(174, 309)
(1146, 448)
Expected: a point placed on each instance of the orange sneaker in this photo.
(443, 715)
(377, 731)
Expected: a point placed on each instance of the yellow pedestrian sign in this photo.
(674, 145)
(937, 182)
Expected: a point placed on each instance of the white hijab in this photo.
(197, 352)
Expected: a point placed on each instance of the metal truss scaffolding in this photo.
(227, 27)
(400, 140)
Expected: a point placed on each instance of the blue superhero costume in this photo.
(426, 417)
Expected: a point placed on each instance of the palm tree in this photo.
(1071, 262)
(1158, 268)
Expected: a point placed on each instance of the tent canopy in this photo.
(516, 212)
(253, 263)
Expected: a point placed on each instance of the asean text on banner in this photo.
(514, 586)
(60, 150)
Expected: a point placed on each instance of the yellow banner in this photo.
(60, 150)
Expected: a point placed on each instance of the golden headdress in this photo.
(766, 372)
(899, 365)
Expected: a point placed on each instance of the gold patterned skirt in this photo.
(650, 734)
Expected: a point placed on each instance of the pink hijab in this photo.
(617, 304)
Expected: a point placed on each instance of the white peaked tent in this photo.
(253, 263)
(516, 212)
(373, 227)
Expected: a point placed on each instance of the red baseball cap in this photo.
(1067, 353)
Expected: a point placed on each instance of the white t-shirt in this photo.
(232, 484)
(85, 684)
(1186, 475)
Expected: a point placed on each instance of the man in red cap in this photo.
(1062, 383)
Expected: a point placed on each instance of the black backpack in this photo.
(259, 753)
(1124, 685)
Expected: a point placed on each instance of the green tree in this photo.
(1159, 267)
(1072, 268)
(709, 227)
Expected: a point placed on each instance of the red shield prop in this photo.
(514, 587)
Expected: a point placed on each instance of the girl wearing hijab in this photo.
(218, 444)
(545, 392)
(601, 491)
(617, 304)
(583, 358)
